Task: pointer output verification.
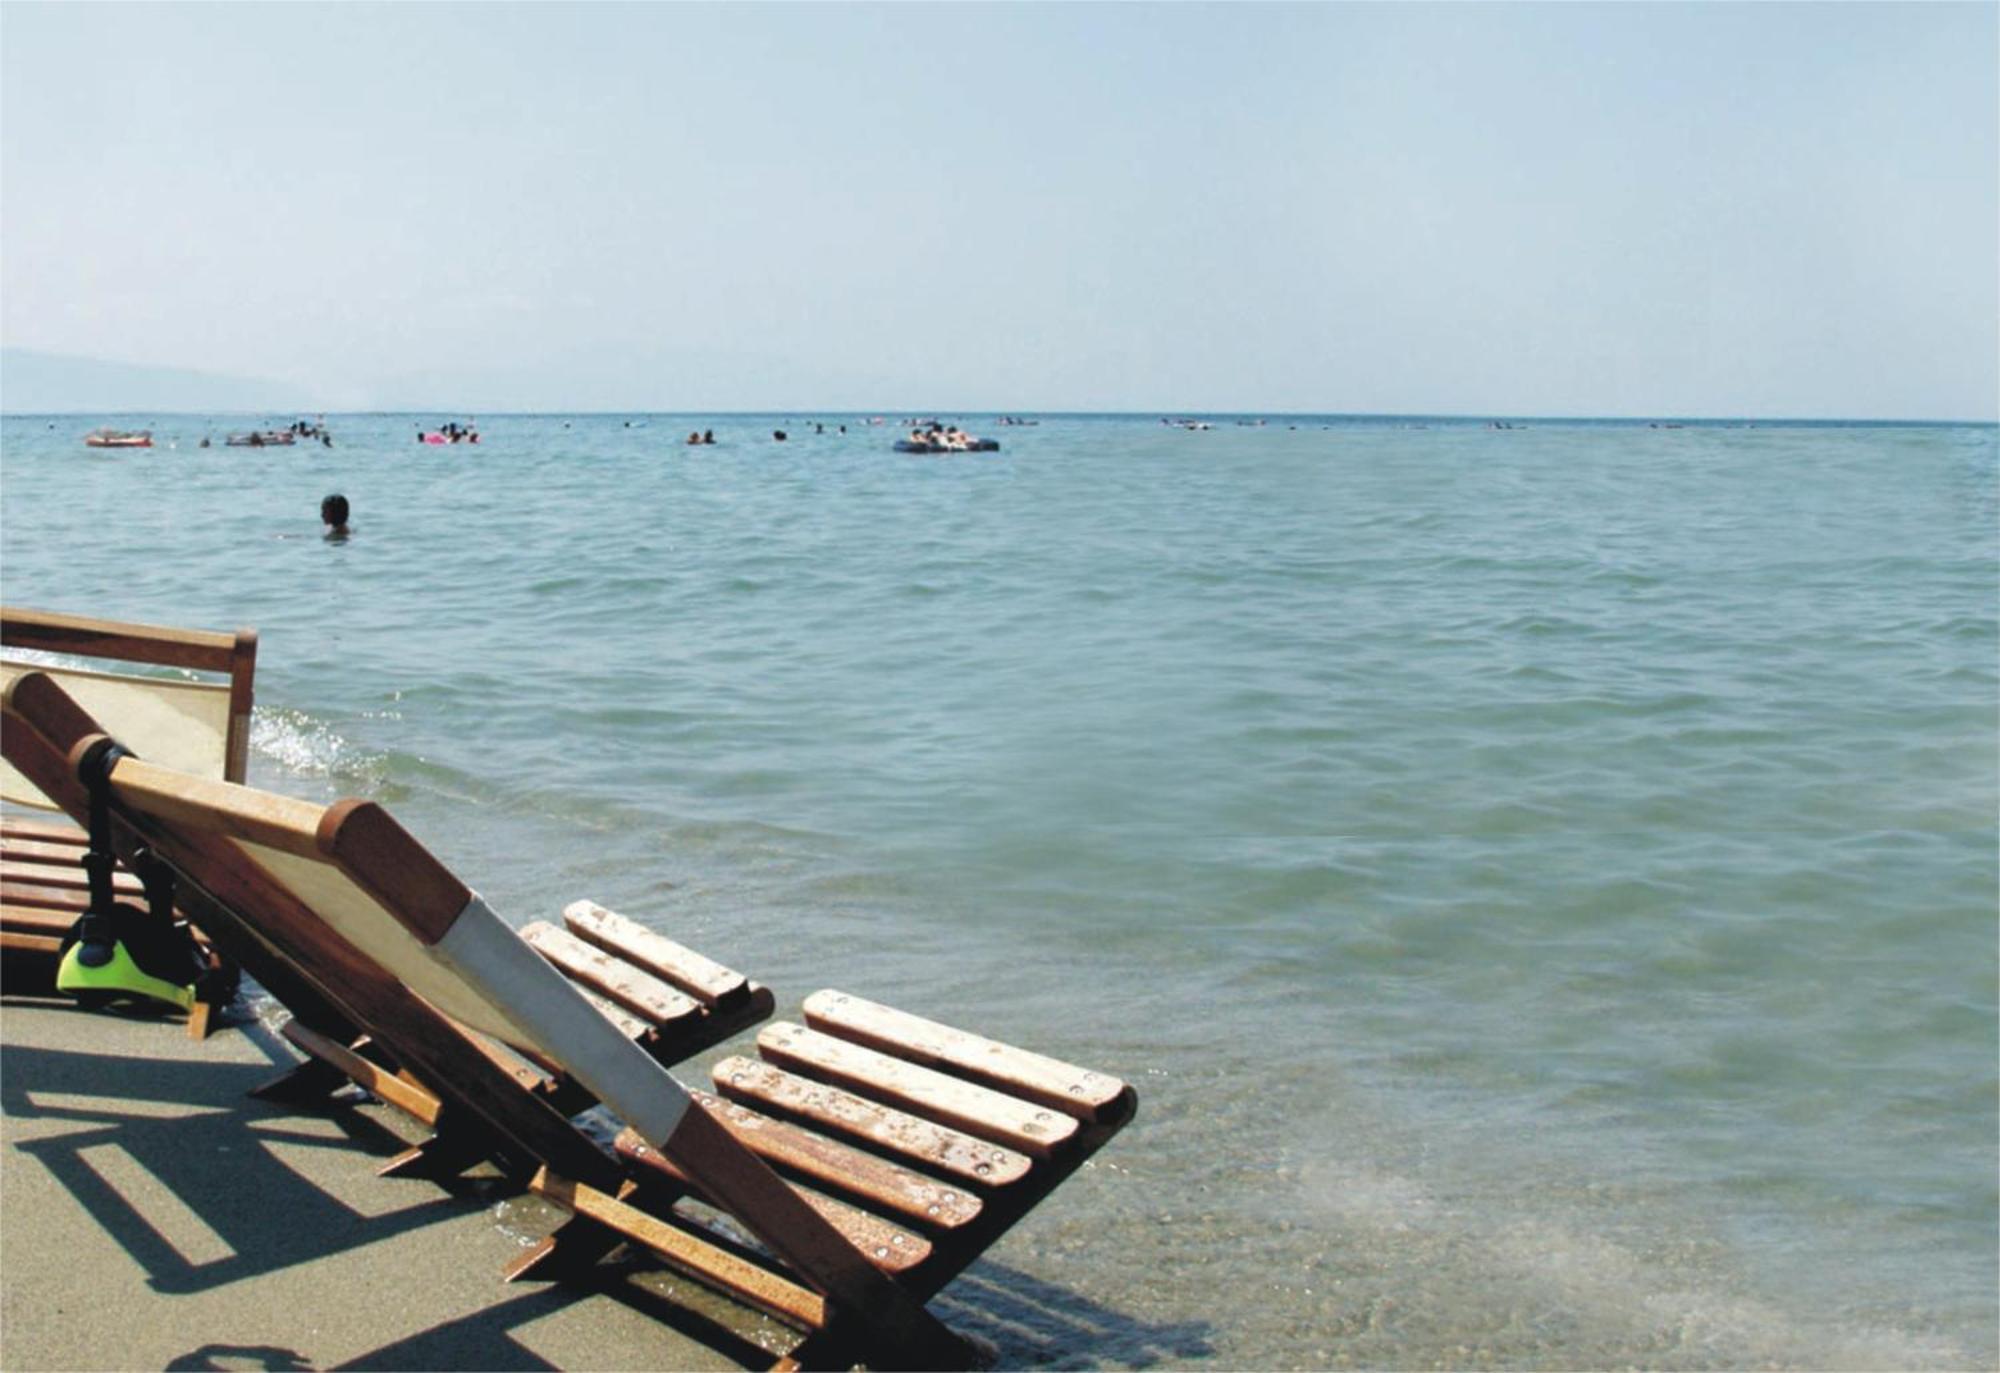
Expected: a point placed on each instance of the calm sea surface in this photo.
(1543, 882)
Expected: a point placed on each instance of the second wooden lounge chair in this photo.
(871, 1154)
(200, 723)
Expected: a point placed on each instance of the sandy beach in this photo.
(152, 1215)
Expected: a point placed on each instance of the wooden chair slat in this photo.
(889, 1246)
(20, 941)
(37, 920)
(24, 850)
(628, 1024)
(633, 988)
(700, 1258)
(911, 1138)
(67, 877)
(44, 831)
(1016, 1072)
(875, 1181)
(393, 1088)
(72, 899)
(165, 645)
(1023, 1125)
(699, 977)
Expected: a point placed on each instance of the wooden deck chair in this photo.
(669, 1000)
(199, 725)
(872, 1155)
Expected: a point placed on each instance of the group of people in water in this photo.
(701, 436)
(449, 432)
(278, 438)
(940, 438)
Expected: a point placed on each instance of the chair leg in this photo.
(437, 1159)
(306, 1082)
(579, 1243)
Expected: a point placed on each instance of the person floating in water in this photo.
(333, 514)
(708, 436)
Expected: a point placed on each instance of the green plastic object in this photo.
(116, 978)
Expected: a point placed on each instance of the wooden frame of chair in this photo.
(231, 655)
(43, 886)
(668, 999)
(913, 1100)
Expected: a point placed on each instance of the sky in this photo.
(1578, 209)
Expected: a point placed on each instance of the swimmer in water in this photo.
(333, 514)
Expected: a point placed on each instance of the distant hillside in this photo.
(34, 383)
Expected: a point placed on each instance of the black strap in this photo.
(158, 880)
(99, 859)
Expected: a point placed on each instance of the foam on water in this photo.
(1542, 881)
(296, 744)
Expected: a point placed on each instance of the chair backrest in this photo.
(198, 726)
(373, 892)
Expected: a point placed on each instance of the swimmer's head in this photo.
(333, 511)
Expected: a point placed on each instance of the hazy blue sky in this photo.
(1613, 209)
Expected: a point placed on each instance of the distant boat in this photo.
(263, 438)
(119, 438)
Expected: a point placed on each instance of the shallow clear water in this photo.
(1543, 881)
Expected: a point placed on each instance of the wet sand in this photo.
(154, 1216)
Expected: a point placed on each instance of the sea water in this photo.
(1542, 881)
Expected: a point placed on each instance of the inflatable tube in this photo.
(976, 446)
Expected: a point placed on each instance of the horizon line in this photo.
(1466, 416)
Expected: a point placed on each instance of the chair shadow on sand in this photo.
(130, 1126)
(1042, 1325)
(1029, 1323)
(233, 1209)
